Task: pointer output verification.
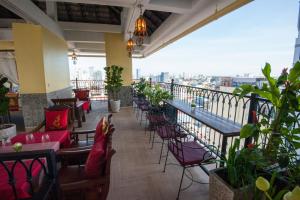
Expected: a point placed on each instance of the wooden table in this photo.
(224, 126)
(31, 147)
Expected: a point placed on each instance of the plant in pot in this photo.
(281, 132)
(156, 95)
(140, 88)
(193, 106)
(275, 141)
(113, 86)
(7, 130)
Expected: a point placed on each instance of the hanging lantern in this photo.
(130, 45)
(74, 57)
(140, 29)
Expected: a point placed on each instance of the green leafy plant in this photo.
(241, 166)
(140, 87)
(269, 189)
(193, 104)
(282, 137)
(113, 81)
(3, 99)
(156, 95)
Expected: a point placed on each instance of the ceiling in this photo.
(82, 23)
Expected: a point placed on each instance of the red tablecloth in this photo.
(63, 137)
(22, 186)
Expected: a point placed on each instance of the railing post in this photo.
(76, 83)
(252, 107)
(150, 82)
(172, 87)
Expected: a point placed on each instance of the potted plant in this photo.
(244, 166)
(156, 95)
(6, 129)
(140, 88)
(113, 86)
(193, 106)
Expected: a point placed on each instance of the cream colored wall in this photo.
(42, 59)
(56, 66)
(29, 57)
(116, 54)
(7, 45)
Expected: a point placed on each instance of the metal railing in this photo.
(96, 87)
(225, 105)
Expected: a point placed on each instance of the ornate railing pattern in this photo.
(96, 87)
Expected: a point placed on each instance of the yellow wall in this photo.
(56, 66)
(29, 57)
(7, 45)
(116, 54)
(42, 59)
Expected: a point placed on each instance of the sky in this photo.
(238, 43)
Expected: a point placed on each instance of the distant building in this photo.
(226, 81)
(238, 81)
(164, 76)
(297, 45)
(138, 73)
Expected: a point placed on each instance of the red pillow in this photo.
(86, 105)
(56, 119)
(101, 129)
(95, 162)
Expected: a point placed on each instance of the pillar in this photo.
(42, 65)
(116, 54)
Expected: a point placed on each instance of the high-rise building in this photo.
(138, 73)
(297, 45)
(164, 77)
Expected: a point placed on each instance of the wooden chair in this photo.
(74, 183)
(76, 108)
(89, 135)
(84, 95)
(55, 108)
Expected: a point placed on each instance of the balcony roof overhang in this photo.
(81, 25)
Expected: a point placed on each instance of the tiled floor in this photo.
(136, 173)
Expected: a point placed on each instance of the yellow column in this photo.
(116, 54)
(42, 65)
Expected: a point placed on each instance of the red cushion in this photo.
(96, 159)
(82, 94)
(56, 119)
(86, 105)
(101, 130)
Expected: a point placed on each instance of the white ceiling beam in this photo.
(96, 46)
(31, 13)
(51, 9)
(84, 36)
(77, 26)
(121, 3)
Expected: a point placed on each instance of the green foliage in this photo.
(113, 81)
(242, 165)
(156, 95)
(283, 138)
(140, 87)
(3, 99)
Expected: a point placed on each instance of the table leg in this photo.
(78, 116)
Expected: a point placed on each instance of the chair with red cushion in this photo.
(92, 180)
(189, 152)
(90, 135)
(84, 95)
(56, 118)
